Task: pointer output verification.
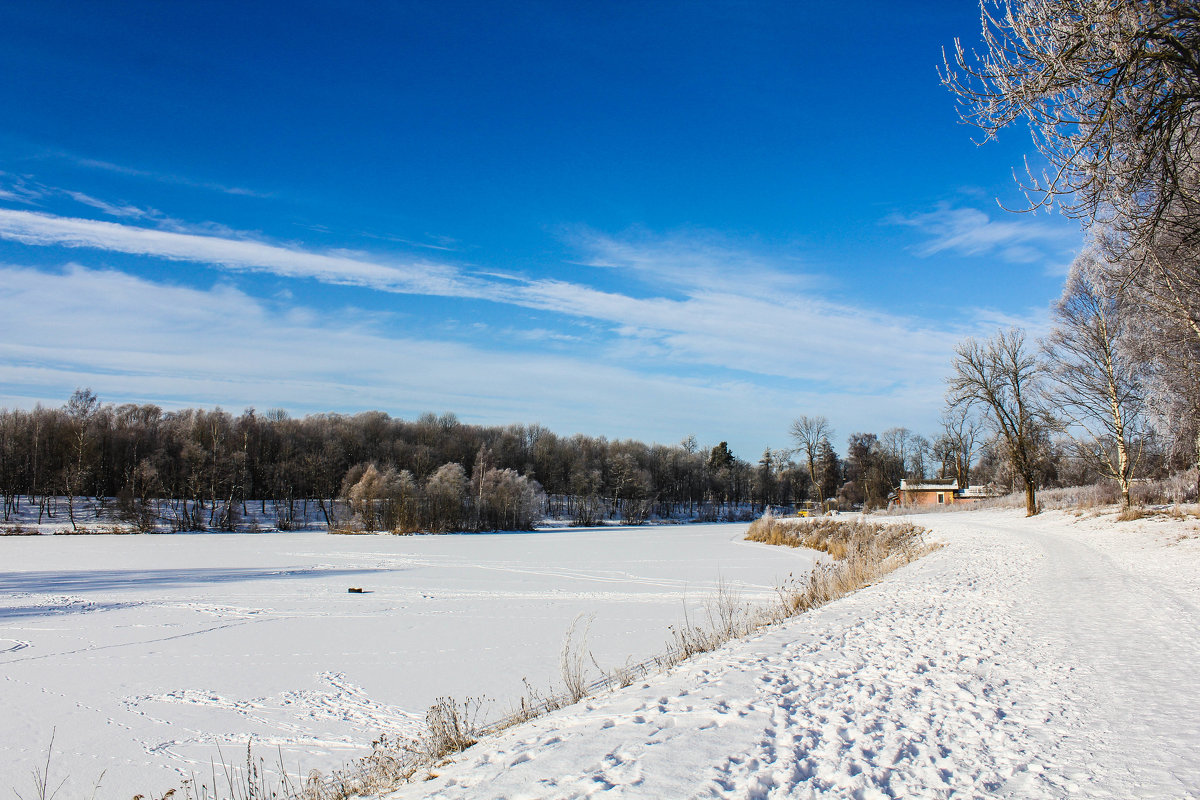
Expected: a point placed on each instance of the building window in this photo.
(941, 497)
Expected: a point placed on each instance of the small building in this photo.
(940, 492)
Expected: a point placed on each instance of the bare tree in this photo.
(1098, 384)
(80, 408)
(1002, 376)
(808, 433)
(1110, 91)
(897, 441)
(961, 431)
(920, 450)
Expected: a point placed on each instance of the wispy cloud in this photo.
(134, 340)
(26, 190)
(743, 310)
(1014, 238)
(713, 305)
(37, 228)
(1035, 323)
(160, 177)
(112, 209)
(693, 259)
(20, 189)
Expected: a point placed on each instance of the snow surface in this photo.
(144, 653)
(1044, 658)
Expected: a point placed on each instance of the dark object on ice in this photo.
(355, 590)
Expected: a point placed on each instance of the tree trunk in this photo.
(1198, 467)
(1031, 507)
(1124, 472)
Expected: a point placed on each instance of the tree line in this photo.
(197, 469)
(204, 468)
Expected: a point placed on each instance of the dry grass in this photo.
(862, 553)
(450, 727)
(573, 659)
(841, 539)
(1133, 513)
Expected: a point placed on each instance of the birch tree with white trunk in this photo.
(1098, 382)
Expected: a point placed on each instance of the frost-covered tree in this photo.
(1098, 383)
(507, 501)
(365, 495)
(1110, 90)
(445, 494)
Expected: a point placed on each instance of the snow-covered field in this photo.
(1047, 658)
(143, 653)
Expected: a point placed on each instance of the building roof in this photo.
(929, 486)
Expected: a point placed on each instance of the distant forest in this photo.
(432, 473)
(198, 469)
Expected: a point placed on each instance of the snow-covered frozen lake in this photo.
(144, 653)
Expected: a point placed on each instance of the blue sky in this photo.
(637, 220)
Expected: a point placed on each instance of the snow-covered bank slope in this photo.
(1051, 657)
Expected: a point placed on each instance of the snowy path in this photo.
(1030, 659)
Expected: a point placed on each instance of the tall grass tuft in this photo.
(862, 552)
(573, 659)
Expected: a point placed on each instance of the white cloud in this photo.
(133, 340)
(1016, 238)
(36, 228)
(728, 308)
(160, 177)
